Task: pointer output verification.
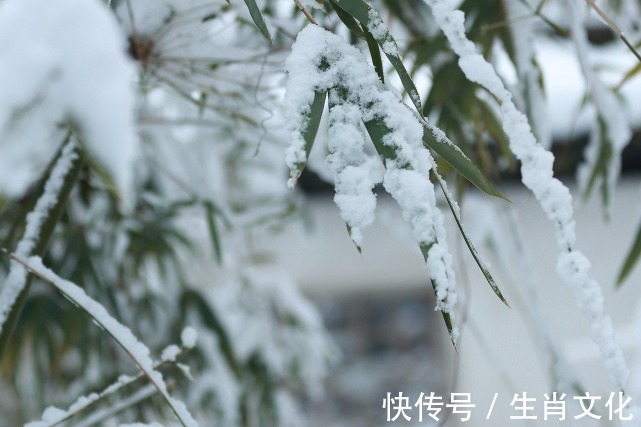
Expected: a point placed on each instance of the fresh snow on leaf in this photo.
(123, 335)
(537, 175)
(17, 278)
(359, 102)
(71, 65)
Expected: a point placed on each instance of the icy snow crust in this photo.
(537, 175)
(321, 61)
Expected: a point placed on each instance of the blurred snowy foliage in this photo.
(179, 124)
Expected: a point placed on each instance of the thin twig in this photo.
(614, 28)
(305, 12)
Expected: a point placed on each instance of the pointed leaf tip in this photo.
(258, 19)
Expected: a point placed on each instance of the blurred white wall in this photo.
(498, 351)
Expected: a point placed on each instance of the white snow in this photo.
(537, 175)
(70, 64)
(188, 337)
(379, 30)
(357, 96)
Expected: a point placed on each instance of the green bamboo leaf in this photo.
(375, 54)
(258, 19)
(349, 231)
(468, 242)
(348, 20)
(311, 129)
(631, 259)
(313, 121)
(459, 161)
(213, 232)
(42, 241)
(377, 131)
(117, 331)
(370, 19)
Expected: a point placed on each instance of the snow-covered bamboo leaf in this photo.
(315, 114)
(631, 259)
(312, 122)
(477, 257)
(375, 53)
(377, 130)
(39, 227)
(370, 19)
(122, 335)
(447, 319)
(258, 19)
(437, 141)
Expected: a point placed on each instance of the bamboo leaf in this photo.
(348, 20)
(311, 129)
(258, 19)
(468, 242)
(377, 131)
(631, 259)
(459, 161)
(447, 319)
(42, 240)
(315, 114)
(369, 18)
(118, 332)
(375, 54)
(213, 232)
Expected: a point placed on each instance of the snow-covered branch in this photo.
(120, 333)
(537, 175)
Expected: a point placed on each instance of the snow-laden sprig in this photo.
(355, 172)
(121, 334)
(537, 175)
(33, 239)
(70, 65)
(610, 131)
(322, 62)
(53, 416)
